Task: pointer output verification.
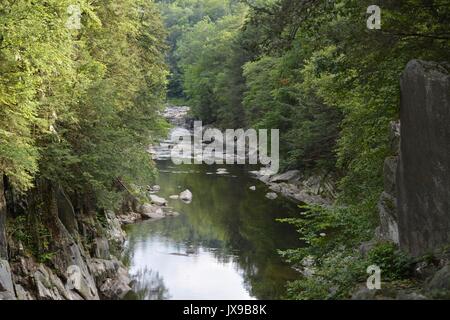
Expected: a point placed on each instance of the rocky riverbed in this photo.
(317, 189)
(309, 189)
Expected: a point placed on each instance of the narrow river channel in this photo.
(223, 245)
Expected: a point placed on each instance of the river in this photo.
(223, 245)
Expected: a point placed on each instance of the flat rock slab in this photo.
(285, 177)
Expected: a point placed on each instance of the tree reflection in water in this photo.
(149, 285)
(226, 221)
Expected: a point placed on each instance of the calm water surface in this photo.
(222, 246)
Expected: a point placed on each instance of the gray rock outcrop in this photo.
(423, 175)
(77, 265)
(6, 284)
(440, 280)
(151, 211)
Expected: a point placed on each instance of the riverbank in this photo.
(225, 226)
(84, 263)
(156, 208)
(72, 254)
(223, 245)
(311, 190)
(80, 266)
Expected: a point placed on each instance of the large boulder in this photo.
(299, 193)
(151, 211)
(423, 174)
(155, 189)
(158, 200)
(264, 174)
(186, 196)
(130, 218)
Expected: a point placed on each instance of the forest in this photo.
(80, 104)
(331, 85)
(77, 106)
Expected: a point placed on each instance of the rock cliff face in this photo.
(55, 250)
(415, 207)
(423, 176)
(77, 264)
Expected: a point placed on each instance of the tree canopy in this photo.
(79, 101)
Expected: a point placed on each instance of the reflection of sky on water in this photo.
(222, 246)
(199, 275)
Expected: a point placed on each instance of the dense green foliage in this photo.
(315, 71)
(78, 106)
(205, 68)
(180, 17)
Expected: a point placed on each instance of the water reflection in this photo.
(149, 285)
(223, 245)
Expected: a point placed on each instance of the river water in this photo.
(223, 245)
